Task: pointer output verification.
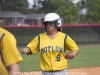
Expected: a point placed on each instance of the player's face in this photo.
(50, 27)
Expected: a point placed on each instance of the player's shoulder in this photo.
(43, 34)
(2, 30)
(62, 33)
(6, 33)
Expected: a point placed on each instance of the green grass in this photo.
(30, 62)
(87, 57)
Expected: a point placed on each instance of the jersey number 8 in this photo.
(58, 57)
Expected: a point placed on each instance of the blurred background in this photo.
(32, 12)
(80, 20)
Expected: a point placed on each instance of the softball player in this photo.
(9, 55)
(52, 45)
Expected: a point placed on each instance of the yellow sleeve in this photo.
(33, 45)
(3, 70)
(10, 53)
(70, 44)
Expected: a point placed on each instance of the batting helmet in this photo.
(52, 17)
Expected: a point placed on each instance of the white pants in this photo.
(61, 72)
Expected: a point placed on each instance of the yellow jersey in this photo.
(3, 70)
(52, 52)
(9, 52)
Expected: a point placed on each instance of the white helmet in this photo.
(53, 17)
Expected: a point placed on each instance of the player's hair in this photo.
(59, 29)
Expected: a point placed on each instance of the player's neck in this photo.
(52, 35)
(53, 32)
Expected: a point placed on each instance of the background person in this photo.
(52, 45)
(9, 55)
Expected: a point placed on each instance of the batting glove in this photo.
(69, 56)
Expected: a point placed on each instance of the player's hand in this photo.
(69, 56)
(25, 51)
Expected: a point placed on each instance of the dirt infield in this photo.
(85, 71)
(75, 71)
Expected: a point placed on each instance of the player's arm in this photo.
(75, 52)
(71, 55)
(71, 45)
(10, 54)
(13, 69)
(26, 51)
(32, 47)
